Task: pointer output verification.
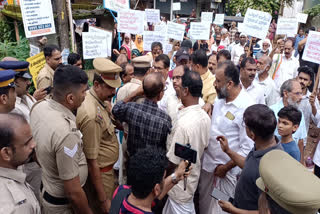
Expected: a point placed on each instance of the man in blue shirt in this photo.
(300, 36)
(291, 94)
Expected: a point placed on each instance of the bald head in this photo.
(121, 59)
(153, 85)
(267, 60)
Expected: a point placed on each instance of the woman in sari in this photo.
(139, 43)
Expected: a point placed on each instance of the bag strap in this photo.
(117, 201)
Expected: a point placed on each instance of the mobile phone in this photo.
(185, 152)
(218, 195)
(48, 89)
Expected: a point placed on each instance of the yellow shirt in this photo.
(208, 91)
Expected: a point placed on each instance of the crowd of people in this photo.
(241, 106)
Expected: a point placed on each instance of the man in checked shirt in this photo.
(148, 125)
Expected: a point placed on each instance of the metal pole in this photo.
(73, 46)
(171, 11)
(154, 4)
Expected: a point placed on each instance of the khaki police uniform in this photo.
(289, 183)
(59, 152)
(45, 77)
(99, 139)
(16, 194)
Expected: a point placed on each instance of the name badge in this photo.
(229, 115)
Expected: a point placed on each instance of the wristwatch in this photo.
(174, 178)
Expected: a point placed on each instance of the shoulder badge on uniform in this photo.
(99, 113)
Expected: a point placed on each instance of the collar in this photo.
(18, 100)
(136, 81)
(307, 95)
(95, 96)
(49, 69)
(239, 99)
(189, 108)
(149, 102)
(13, 174)
(205, 75)
(61, 108)
(260, 153)
(250, 86)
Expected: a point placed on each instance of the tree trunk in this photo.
(62, 21)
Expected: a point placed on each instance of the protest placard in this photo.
(161, 28)
(37, 17)
(175, 31)
(240, 27)
(219, 19)
(152, 36)
(287, 26)
(312, 49)
(94, 45)
(36, 64)
(116, 5)
(176, 6)
(104, 32)
(256, 23)
(302, 17)
(199, 30)
(34, 50)
(206, 17)
(131, 21)
(152, 15)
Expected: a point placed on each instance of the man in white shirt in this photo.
(308, 101)
(225, 41)
(193, 128)
(161, 64)
(264, 80)
(218, 171)
(238, 49)
(248, 70)
(285, 67)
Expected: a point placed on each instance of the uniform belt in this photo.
(52, 199)
(106, 169)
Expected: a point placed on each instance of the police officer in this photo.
(16, 148)
(59, 145)
(7, 91)
(99, 139)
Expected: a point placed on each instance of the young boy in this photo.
(288, 123)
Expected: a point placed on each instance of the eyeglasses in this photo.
(176, 77)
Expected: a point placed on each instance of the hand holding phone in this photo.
(218, 195)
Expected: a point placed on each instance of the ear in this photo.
(3, 99)
(6, 153)
(70, 98)
(285, 93)
(250, 134)
(157, 190)
(268, 68)
(295, 128)
(185, 91)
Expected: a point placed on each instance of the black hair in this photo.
(199, 57)
(246, 60)
(310, 29)
(66, 79)
(97, 77)
(306, 70)
(290, 113)
(155, 44)
(237, 33)
(230, 71)
(153, 85)
(186, 43)
(290, 40)
(274, 207)
(146, 168)
(140, 72)
(8, 127)
(49, 49)
(73, 58)
(224, 53)
(123, 48)
(163, 58)
(5, 90)
(193, 82)
(260, 119)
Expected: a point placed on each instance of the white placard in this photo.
(206, 17)
(152, 36)
(152, 15)
(240, 27)
(116, 5)
(219, 19)
(199, 30)
(34, 50)
(175, 31)
(287, 26)
(107, 33)
(131, 21)
(37, 17)
(161, 28)
(167, 48)
(176, 6)
(312, 49)
(94, 45)
(302, 17)
(256, 23)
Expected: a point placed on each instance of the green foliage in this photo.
(18, 50)
(314, 11)
(269, 6)
(6, 30)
